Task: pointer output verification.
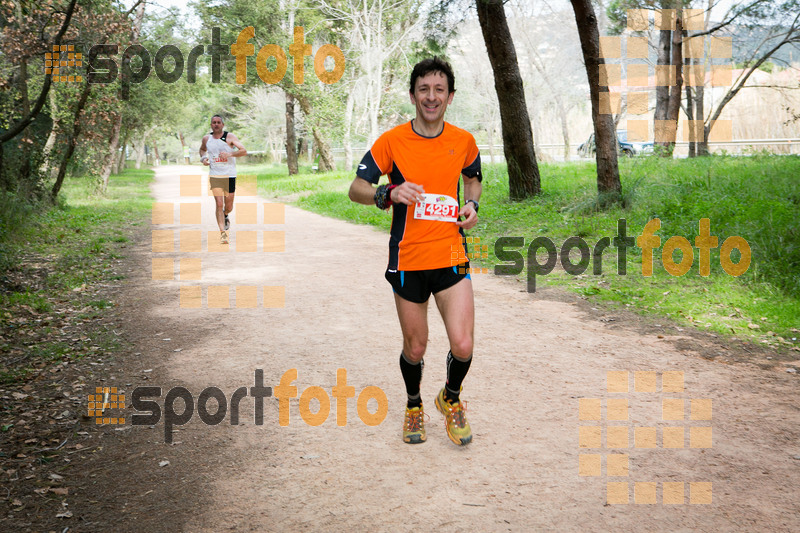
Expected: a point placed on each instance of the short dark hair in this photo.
(433, 64)
(220, 117)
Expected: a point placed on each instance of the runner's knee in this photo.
(461, 347)
(414, 350)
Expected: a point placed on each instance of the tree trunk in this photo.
(609, 187)
(113, 145)
(689, 64)
(25, 168)
(275, 147)
(523, 171)
(562, 114)
(73, 141)
(121, 159)
(491, 144)
(120, 166)
(374, 69)
(662, 89)
(302, 149)
(699, 95)
(111, 157)
(348, 127)
(51, 138)
(183, 148)
(533, 114)
(702, 144)
(326, 162)
(690, 118)
(291, 142)
(139, 147)
(671, 128)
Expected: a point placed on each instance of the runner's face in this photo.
(216, 124)
(431, 97)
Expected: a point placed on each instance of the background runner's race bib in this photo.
(437, 207)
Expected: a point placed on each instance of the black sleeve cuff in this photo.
(368, 169)
(474, 169)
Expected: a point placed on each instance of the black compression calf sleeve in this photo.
(456, 372)
(412, 375)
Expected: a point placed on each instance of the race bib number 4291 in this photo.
(437, 207)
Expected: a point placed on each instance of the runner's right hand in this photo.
(407, 193)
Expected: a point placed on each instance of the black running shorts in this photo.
(418, 285)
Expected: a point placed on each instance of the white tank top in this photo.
(215, 147)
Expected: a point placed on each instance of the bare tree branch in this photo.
(789, 36)
(730, 20)
(134, 6)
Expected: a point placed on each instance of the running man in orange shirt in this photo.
(426, 160)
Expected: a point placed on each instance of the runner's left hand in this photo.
(470, 216)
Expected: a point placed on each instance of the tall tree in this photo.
(782, 29)
(764, 27)
(557, 84)
(273, 21)
(609, 188)
(26, 34)
(116, 128)
(664, 60)
(523, 170)
(670, 127)
(72, 139)
(375, 32)
(291, 139)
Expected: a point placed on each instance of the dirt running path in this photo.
(534, 360)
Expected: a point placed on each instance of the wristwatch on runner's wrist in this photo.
(475, 203)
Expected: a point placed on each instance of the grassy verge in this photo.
(756, 198)
(51, 289)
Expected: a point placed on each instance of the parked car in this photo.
(624, 147)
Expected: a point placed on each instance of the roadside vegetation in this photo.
(754, 197)
(57, 263)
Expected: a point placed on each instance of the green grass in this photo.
(34, 300)
(756, 198)
(325, 194)
(55, 259)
